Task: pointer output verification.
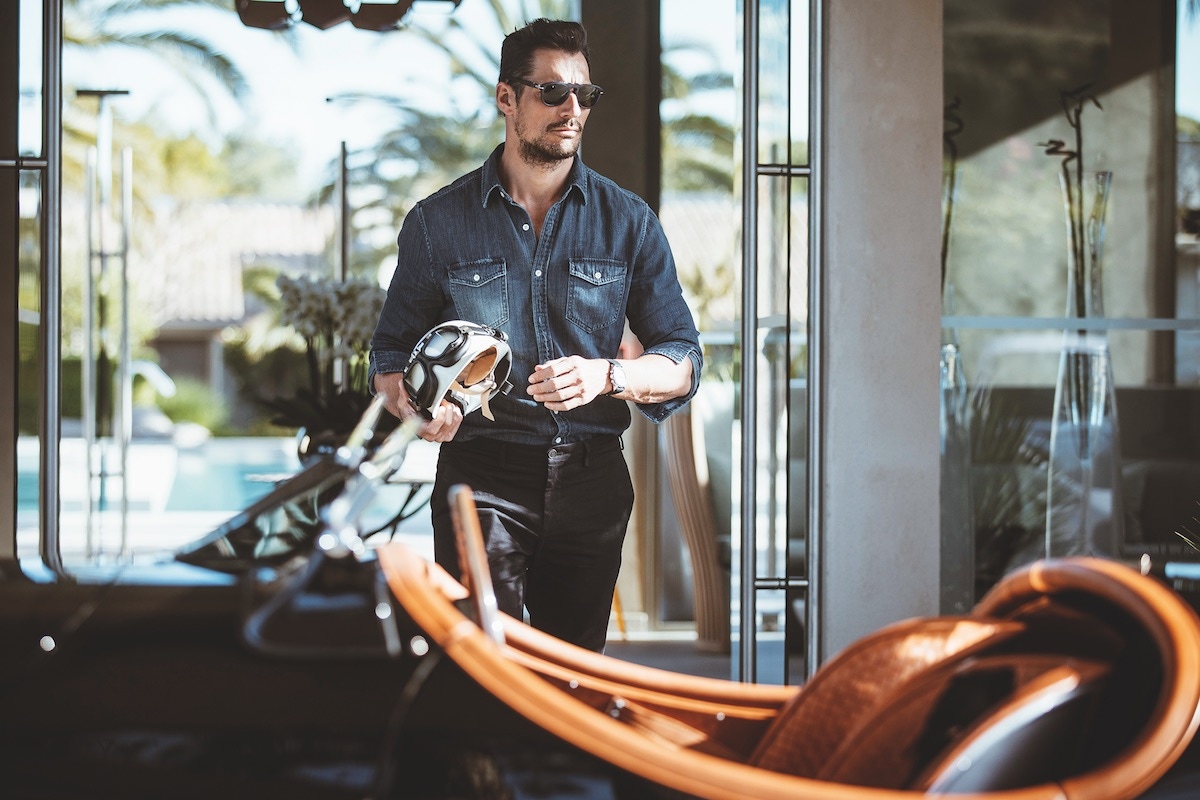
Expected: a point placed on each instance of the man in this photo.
(556, 256)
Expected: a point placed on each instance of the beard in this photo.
(545, 151)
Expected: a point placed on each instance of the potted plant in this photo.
(335, 318)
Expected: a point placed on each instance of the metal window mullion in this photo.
(784, 170)
(787, 344)
(50, 338)
(22, 163)
(816, 339)
(775, 584)
(124, 430)
(747, 639)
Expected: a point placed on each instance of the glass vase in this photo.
(1084, 510)
(957, 525)
(956, 506)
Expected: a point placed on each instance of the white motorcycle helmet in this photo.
(460, 361)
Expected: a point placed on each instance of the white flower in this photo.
(335, 318)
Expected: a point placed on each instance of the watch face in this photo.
(616, 376)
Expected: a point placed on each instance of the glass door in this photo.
(29, 181)
(1050, 278)
(775, 552)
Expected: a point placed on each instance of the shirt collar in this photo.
(577, 181)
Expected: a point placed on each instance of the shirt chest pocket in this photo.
(596, 293)
(480, 291)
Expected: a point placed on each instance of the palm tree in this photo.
(106, 25)
(698, 153)
(427, 149)
(424, 152)
(96, 24)
(477, 57)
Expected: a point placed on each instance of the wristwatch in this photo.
(616, 376)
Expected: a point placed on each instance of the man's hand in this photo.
(574, 381)
(446, 420)
(569, 382)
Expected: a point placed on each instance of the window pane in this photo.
(1187, 190)
(797, 431)
(1041, 98)
(1011, 406)
(1008, 70)
(799, 89)
(30, 366)
(797, 397)
(29, 111)
(774, 82)
(700, 215)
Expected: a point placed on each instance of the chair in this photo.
(1086, 664)
(687, 474)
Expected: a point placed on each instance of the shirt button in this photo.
(598, 276)
(537, 273)
(558, 440)
(476, 277)
(525, 227)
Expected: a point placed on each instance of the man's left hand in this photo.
(569, 382)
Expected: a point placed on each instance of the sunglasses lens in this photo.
(554, 94)
(588, 94)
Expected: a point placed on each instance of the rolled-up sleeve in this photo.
(659, 315)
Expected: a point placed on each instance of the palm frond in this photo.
(95, 26)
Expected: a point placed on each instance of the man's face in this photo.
(548, 135)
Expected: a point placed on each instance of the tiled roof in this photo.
(189, 268)
(702, 229)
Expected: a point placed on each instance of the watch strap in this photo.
(615, 370)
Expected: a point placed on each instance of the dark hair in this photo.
(516, 54)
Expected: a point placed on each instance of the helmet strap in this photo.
(482, 388)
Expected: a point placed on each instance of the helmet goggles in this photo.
(460, 361)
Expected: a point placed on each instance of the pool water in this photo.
(230, 478)
(178, 495)
(222, 474)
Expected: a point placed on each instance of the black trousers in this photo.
(553, 520)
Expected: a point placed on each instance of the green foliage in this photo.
(697, 148)
(697, 154)
(257, 168)
(99, 24)
(29, 379)
(698, 158)
(335, 318)
(120, 25)
(423, 153)
(190, 168)
(708, 293)
(1187, 128)
(281, 372)
(180, 167)
(195, 401)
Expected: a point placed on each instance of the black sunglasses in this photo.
(555, 93)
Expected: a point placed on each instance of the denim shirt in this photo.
(469, 252)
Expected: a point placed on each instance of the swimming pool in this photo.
(221, 474)
(177, 494)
